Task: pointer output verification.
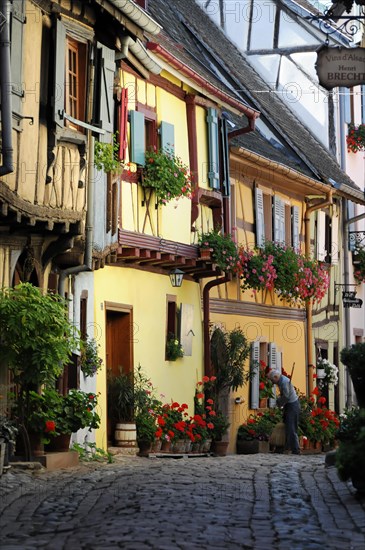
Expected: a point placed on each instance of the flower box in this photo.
(254, 446)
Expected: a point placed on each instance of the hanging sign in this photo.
(340, 67)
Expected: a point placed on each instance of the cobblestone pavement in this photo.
(279, 502)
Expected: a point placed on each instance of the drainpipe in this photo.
(346, 223)
(309, 306)
(5, 91)
(208, 286)
(89, 228)
(249, 128)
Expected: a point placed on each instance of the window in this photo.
(171, 314)
(276, 220)
(75, 81)
(269, 354)
(72, 45)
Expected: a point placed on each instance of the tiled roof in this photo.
(192, 37)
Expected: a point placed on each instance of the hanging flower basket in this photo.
(167, 175)
(221, 248)
(355, 138)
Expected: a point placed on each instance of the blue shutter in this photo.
(225, 157)
(17, 22)
(295, 227)
(255, 375)
(137, 137)
(107, 68)
(213, 169)
(59, 71)
(167, 132)
(260, 224)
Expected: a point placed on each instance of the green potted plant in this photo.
(354, 359)
(146, 429)
(220, 429)
(355, 138)
(167, 175)
(174, 349)
(253, 435)
(351, 451)
(37, 340)
(106, 156)
(359, 264)
(120, 394)
(90, 361)
(279, 268)
(224, 251)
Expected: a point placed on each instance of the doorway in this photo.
(119, 347)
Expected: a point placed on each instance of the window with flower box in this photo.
(276, 220)
(263, 354)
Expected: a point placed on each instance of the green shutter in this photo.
(137, 138)
(167, 132)
(17, 22)
(213, 169)
(255, 375)
(59, 72)
(225, 158)
(107, 69)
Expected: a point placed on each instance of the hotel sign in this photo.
(340, 67)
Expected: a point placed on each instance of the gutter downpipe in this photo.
(206, 339)
(89, 227)
(309, 306)
(346, 223)
(5, 87)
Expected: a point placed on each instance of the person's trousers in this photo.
(291, 420)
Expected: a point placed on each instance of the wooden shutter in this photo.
(279, 220)
(260, 224)
(107, 68)
(17, 22)
(59, 72)
(123, 119)
(167, 133)
(295, 227)
(213, 169)
(274, 363)
(321, 236)
(255, 375)
(186, 328)
(137, 150)
(225, 158)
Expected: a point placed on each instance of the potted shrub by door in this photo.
(121, 409)
(146, 429)
(221, 425)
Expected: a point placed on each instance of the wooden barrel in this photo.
(125, 434)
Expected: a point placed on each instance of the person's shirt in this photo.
(287, 391)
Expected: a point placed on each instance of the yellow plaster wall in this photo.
(289, 337)
(146, 293)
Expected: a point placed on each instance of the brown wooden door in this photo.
(119, 341)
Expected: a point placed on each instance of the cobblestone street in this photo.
(244, 501)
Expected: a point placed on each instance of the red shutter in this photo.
(123, 119)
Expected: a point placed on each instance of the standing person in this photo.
(289, 400)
